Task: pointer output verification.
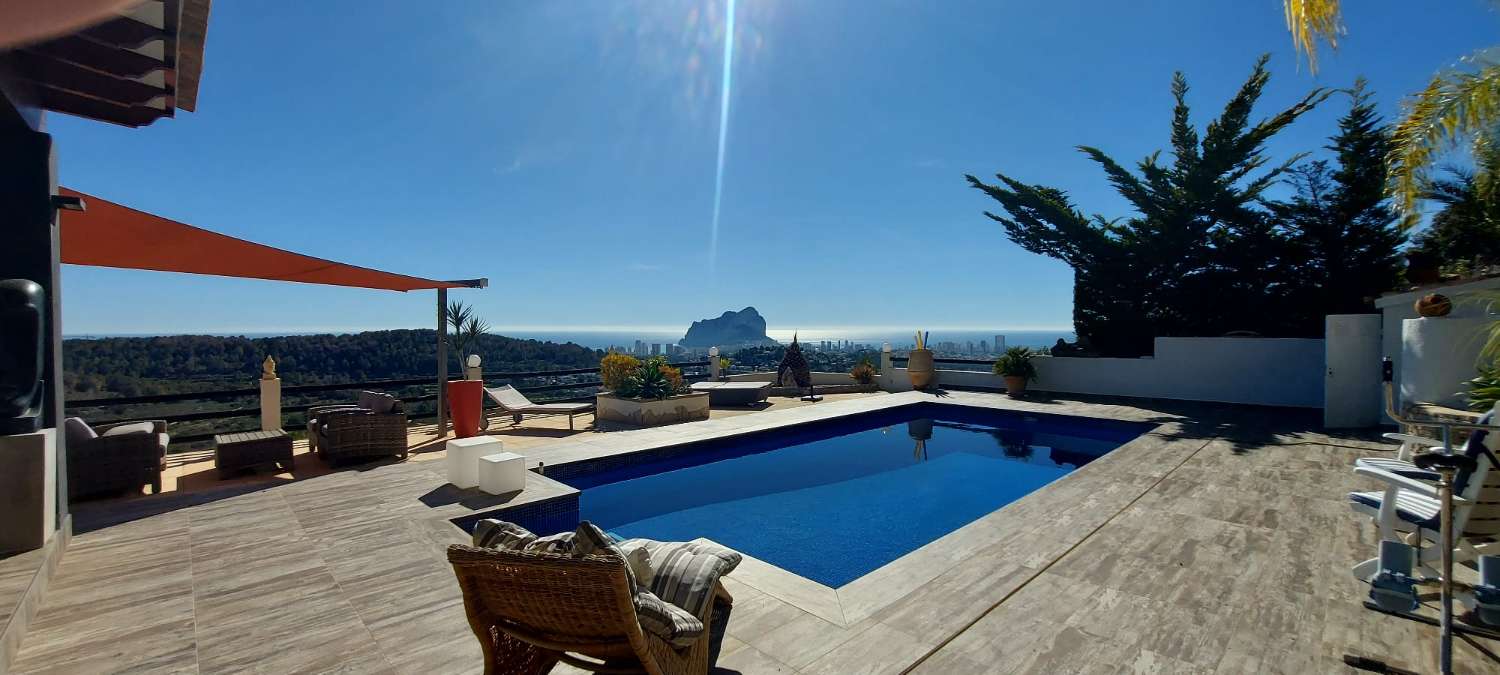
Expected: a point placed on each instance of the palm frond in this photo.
(1313, 20)
(1453, 106)
(1489, 302)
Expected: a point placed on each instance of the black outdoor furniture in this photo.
(247, 449)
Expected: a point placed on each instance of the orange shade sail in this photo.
(107, 234)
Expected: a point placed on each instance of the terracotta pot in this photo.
(465, 403)
(1433, 305)
(1015, 385)
(919, 368)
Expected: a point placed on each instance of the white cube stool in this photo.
(502, 472)
(463, 458)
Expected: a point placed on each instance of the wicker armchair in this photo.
(531, 610)
(114, 464)
(338, 433)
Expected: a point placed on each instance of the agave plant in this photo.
(649, 381)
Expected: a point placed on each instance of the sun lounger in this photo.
(734, 393)
(516, 404)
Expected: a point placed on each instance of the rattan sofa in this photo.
(531, 610)
(111, 463)
(339, 433)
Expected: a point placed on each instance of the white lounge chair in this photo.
(1408, 508)
(516, 405)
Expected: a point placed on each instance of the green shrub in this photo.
(1016, 362)
(614, 368)
(1484, 389)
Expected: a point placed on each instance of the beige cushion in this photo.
(686, 573)
(132, 428)
(75, 430)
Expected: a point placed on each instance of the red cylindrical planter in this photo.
(465, 403)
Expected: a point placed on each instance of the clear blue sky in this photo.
(567, 151)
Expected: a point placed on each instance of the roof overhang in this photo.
(132, 68)
(106, 234)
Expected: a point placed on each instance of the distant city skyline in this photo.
(575, 151)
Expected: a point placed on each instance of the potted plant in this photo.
(1016, 367)
(863, 372)
(919, 364)
(646, 393)
(464, 331)
(465, 396)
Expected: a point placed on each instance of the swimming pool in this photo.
(835, 500)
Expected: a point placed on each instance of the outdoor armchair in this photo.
(531, 610)
(114, 458)
(375, 427)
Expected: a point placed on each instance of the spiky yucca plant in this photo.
(466, 329)
(1484, 389)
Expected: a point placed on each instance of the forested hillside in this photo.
(179, 363)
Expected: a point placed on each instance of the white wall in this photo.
(1397, 308)
(1258, 371)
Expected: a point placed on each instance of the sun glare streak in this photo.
(713, 233)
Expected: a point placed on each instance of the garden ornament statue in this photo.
(22, 331)
(268, 368)
(794, 363)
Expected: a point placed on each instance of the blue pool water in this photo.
(834, 501)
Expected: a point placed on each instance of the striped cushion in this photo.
(685, 573)
(1396, 466)
(665, 620)
(638, 557)
(1419, 510)
(730, 557)
(495, 533)
(492, 533)
(560, 543)
(589, 539)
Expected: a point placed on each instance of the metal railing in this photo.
(427, 383)
(977, 362)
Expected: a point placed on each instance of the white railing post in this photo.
(887, 373)
(472, 371)
(270, 396)
(713, 364)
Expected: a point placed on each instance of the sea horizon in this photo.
(625, 336)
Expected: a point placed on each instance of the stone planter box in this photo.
(651, 413)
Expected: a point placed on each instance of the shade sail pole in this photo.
(442, 362)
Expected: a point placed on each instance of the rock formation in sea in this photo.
(745, 327)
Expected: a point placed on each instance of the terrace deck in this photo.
(1219, 542)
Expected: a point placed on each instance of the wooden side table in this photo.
(247, 449)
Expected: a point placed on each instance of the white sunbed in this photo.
(517, 405)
